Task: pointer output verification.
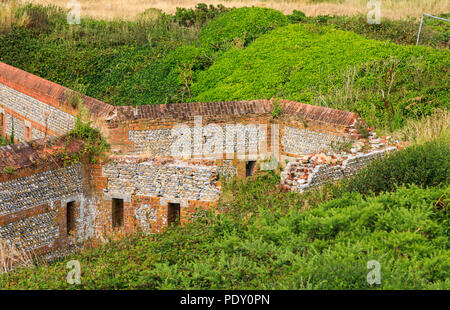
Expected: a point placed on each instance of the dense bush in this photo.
(297, 16)
(166, 80)
(275, 243)
(426, 164)
(240, 27)
(384, 82)
(161, 58)
(200, 15)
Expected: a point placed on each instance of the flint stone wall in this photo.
(159, 142)
(36, 111)
(32, 233)
(38, 189)
(304, 141)
(176, 180)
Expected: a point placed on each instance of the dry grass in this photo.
(9, 15)
(11, 257)
(393, 9)
(425, 129)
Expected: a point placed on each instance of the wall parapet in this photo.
(49, 92)
(28, 155)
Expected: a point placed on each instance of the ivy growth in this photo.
(95, 145)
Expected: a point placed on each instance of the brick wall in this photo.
(35, 187)
(41, 117)
(142, 181)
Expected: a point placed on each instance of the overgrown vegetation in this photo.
(266, 239)
(4, 142)
(385, 83)
(94, 144)
(426, 164)
(217, 53)
(393, 211)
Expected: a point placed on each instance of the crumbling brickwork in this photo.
(166, 162)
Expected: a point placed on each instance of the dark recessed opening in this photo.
(117, 213)
(27, 134)
(70, 217)
(173, 214)
(1, 124)
(250, 168)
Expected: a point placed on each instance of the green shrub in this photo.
(266, 240)
(200, 15)
(94, 144)
(426, 164)
(296, 16)
(384, 82)
(240, 26)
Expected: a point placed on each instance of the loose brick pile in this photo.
(314, 169)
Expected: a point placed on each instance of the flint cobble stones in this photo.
(171, 180)
(159, 142)
(33, 232)
(303, 141)
(154, 142)
(304, 173)
(38, 189)
(35, 110)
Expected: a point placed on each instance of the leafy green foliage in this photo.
(243, 25)
(200, 15)
(426, 164)
(297, 16)
(384, 82)
(95, 145)
(267, 240)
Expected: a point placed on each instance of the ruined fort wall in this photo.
(315, 170)
(33, 108)
(146, 187)
(35, 190)
(142, 175)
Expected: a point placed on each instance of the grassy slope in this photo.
(148, 61)
(276, 245)
(266, 239)
(321, 65)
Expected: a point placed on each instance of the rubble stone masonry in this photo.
(23, 107)
(141, 185)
